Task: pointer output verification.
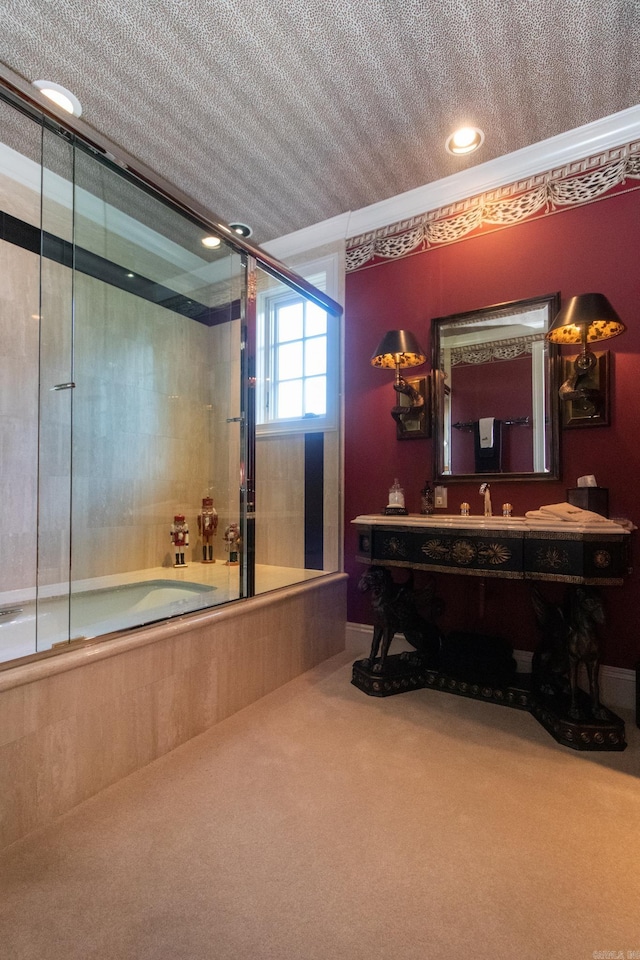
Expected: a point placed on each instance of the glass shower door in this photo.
(156, 416)
(56, 392)
(20, 205)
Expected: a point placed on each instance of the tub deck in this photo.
(118, 602)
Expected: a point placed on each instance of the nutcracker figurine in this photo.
(207, 526)
(179, 538)
(232, 540)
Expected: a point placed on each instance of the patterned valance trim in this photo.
(576, 183)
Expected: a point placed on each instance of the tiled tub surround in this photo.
(75, 722)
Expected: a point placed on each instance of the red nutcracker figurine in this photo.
(232, 539)
(179, 538)
(207, 526)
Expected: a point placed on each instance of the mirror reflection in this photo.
(495, 407)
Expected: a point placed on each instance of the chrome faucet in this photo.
(485, 490)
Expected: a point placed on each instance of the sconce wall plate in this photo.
(414, 422)
(592, 407)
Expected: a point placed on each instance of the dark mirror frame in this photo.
(552, 420)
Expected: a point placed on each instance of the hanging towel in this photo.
(485, 426)
(488, 459)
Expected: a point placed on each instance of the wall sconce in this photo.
(397, 351)
(584, 319)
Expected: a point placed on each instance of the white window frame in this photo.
(323, 275)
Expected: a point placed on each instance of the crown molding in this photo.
(612, 131)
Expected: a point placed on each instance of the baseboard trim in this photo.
(617, 685)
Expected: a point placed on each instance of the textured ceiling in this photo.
(283, 114)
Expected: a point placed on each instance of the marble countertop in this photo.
(497, 523)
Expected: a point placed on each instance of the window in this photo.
(297, 362)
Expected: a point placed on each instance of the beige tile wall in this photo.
(146, 407)
(76, 722)
(280, 509)
(19, 308)
(280, 500)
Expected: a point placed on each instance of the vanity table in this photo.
(591, 554)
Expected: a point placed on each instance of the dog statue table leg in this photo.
(569, 639)
(395, 611)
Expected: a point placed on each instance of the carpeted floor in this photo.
(321, 824)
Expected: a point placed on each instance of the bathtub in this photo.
(93, 613)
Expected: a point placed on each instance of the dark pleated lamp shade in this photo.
(398, 348)
(590, 310)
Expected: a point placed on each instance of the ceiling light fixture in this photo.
(210, 242)
(465, 140)
(241, 229)
(59, 95)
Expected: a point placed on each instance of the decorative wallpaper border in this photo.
(575, 183)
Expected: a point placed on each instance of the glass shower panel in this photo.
(56, 391)
(297, 454)
(20, 205)
(156, 409)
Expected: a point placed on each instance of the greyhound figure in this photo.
(586, 614)
(569, 638)
(395, 611)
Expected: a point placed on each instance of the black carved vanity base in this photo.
(584, 734)
(402, 674)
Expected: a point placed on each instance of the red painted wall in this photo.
(594, 248)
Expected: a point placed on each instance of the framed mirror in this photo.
(495, 393)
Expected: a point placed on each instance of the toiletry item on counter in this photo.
(595, 499)
(426, 499)
(507, 510)
(465, 509)
(396, 495)
(396, 506)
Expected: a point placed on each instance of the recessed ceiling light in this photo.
(465, 140)
(62, 97)
(210, 241)
(241, 228)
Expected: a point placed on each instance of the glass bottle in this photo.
(396, 495)
(426, 499)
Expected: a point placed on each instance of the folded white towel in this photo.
(485, 428)
(565, 511)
